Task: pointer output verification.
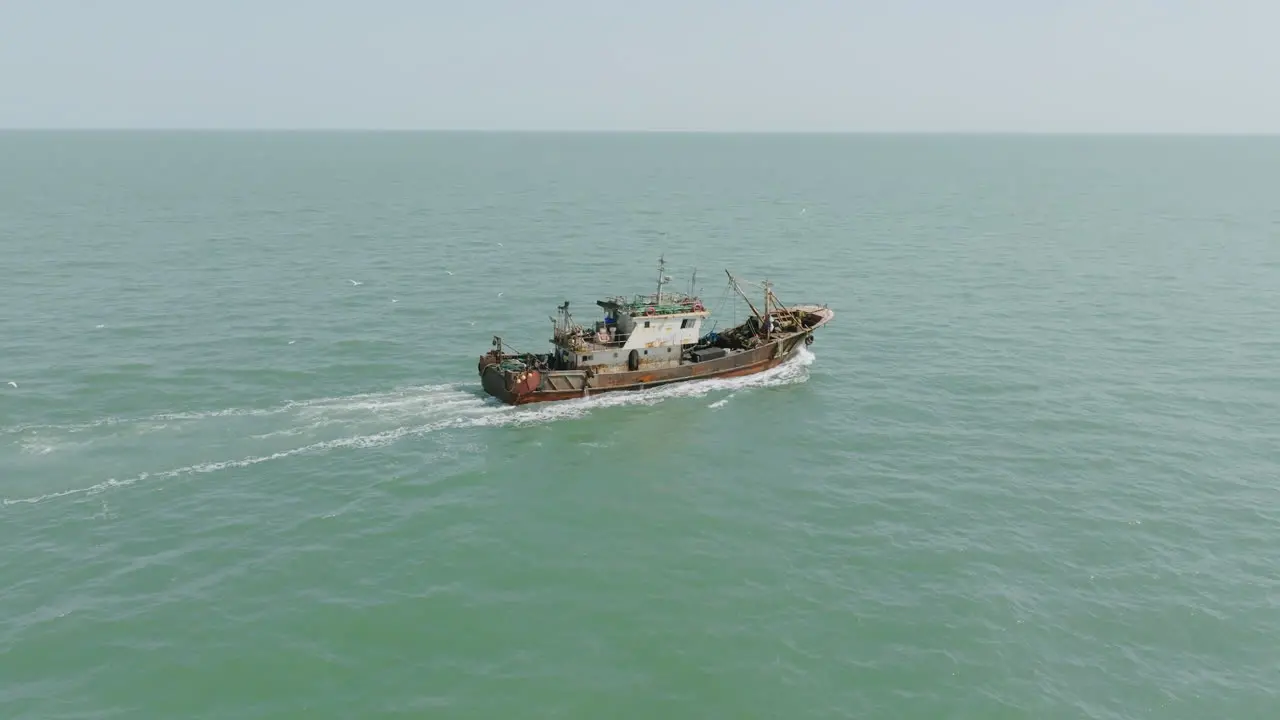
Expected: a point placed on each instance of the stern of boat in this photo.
(508, 385)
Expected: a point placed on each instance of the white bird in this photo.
(353, 282)
(448, 272)
(499, 294)
(393, 299)
(292, 342)
(499, 244)
(13, 383)
(100, 327)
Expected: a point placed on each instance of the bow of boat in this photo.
(815, 316)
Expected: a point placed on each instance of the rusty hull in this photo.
(515, 388)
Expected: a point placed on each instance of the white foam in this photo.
(468, 411)
(37, 448)
(372, 402)
(39, 445)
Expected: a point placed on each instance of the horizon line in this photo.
(642, 131)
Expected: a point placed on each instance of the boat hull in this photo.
(521, 388)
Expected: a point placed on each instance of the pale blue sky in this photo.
(805, 65)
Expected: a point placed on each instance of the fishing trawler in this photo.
(644, 341)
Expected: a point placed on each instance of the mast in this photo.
(657, 299)
(734, 282)
(766, 285)
(783, 306)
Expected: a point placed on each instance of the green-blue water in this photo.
(1029, 471)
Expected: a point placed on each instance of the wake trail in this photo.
(363, 402)
(466, 411)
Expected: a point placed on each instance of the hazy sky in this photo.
(842, 65)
